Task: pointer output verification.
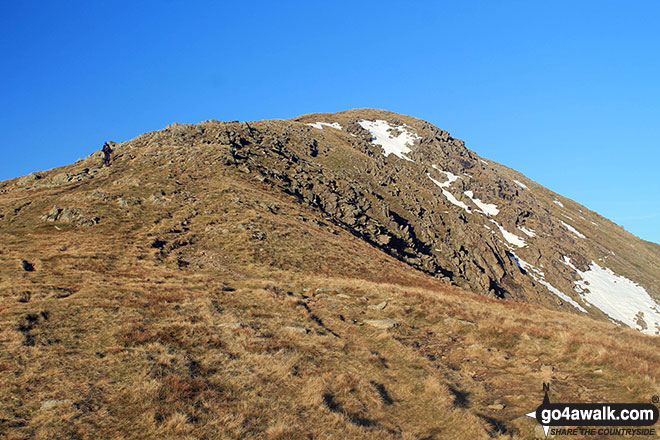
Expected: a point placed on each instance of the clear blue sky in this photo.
(567, 92)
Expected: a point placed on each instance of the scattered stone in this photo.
(155, 199)
(343, 296)
(496, 407)
(382, 323)
(53, 214)
(50, 404)
(334, 290)
(300, 330)
(69, 215)
(449, 320)
(100, 195)
(379, 306)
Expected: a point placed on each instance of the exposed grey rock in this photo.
(53, 214)
(327, 290)
(450, 320)
(69, 215)
(100, 195)
(299, 330)
(28, 180)
(50, 404)
(382, 323)
(379, 306)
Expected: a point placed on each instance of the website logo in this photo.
(630, 415)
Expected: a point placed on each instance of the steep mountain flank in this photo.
(418, 194)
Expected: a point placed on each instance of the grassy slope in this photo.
(169, 320)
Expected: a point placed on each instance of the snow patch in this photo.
(567, 262)
(563, 296)
(454, 201)
(451, 178)
(488, 208)
(539, 276)
(320, 125)
(520, 184)
(397, 145)
(449, 196)
(483, 161)
(511, 238)
(558, 203)
(527, 232)
(572, 229)
(619, 298)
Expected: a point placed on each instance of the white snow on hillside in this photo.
(539, 276)
(488, 208)
(572, 229)
(451, 178)
(563, 296)
(520, 184)
(567, 262)
(619, 298)
(511, 238)
(397, 145)
(558, 203)
(527, 232)
(320, 125)
(449, 196)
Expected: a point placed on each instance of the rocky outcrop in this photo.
(69, 215)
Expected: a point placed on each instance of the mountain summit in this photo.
(200, 265)
(413, 191)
